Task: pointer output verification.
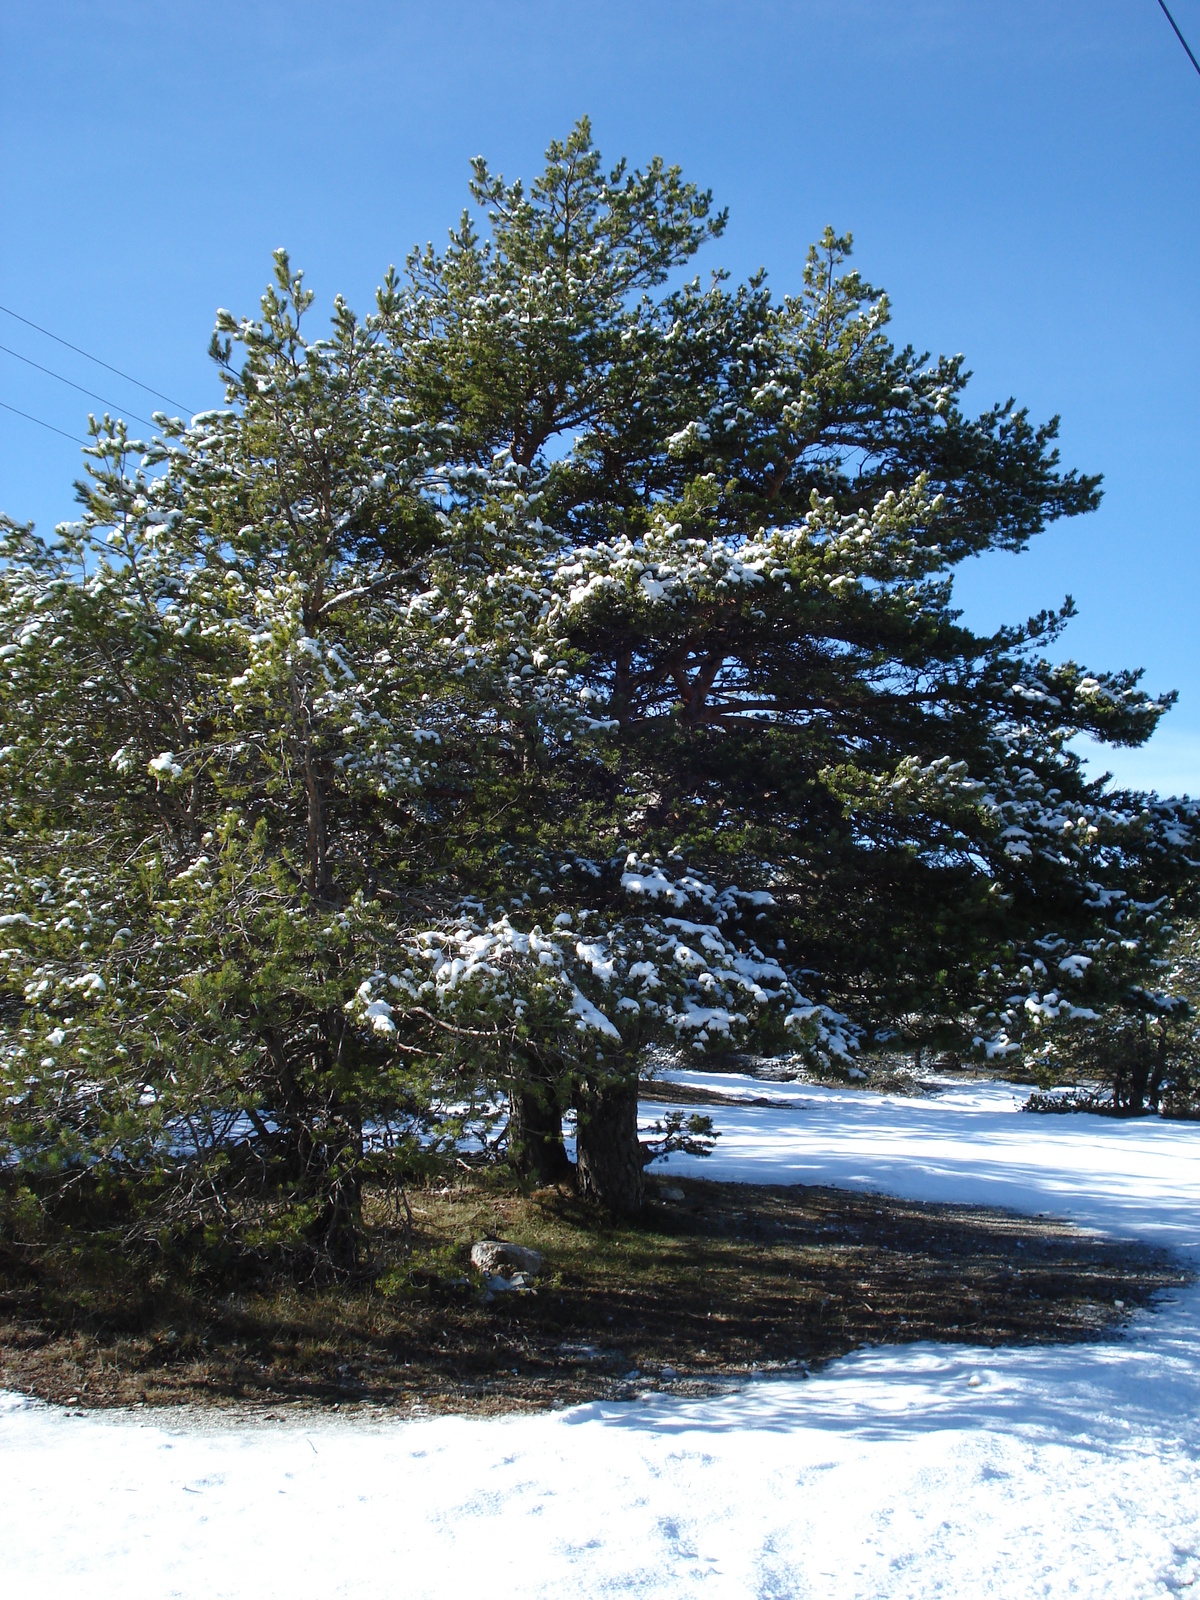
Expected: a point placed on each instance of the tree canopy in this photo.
(559, 662)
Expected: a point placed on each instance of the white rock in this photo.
(497, 1255)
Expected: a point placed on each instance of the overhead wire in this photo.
(71, 384)
(87, 355)
(74, 438)
(1179, 36)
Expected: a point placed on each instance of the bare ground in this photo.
(715, 1282)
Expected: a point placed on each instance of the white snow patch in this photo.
(901, 1471)
(590, 1016)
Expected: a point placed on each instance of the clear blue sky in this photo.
(1023, 176)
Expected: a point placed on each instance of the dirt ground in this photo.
(715, 1282)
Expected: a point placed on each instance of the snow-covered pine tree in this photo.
(220, 718)
(747, 551)
(557, 662)
(517, 340)
(271, 721)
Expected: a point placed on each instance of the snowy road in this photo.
(906, 1471)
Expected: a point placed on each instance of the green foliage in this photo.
(201, 785)
(1141, 1054)
(539, 329)
(560, 661)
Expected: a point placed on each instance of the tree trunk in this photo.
(1139, 1074)
(1120, 1079)
(335, 1180)
(338, 1229)
(1158, 1075)
(608, 1164)
(535, 1141)
(1139, 1083)
(319, 1147)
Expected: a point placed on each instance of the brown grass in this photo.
(731, 1279)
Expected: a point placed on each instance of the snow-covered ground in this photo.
(901, 1471)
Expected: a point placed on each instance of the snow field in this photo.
(900, 1471)
(1138, 1179)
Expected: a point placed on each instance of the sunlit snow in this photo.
(900, 1471)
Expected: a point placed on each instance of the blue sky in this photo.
(1022, 176)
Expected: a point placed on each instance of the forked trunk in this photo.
(608, 1165)
(535, 1141)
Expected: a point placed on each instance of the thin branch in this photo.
(367, 588)
(448, 1027)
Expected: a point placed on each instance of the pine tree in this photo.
(749, 552)
(213, 757)
(556, 664)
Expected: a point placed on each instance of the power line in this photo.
(16, 354)
(4, 405)
(1179, 36)
(8, 311)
